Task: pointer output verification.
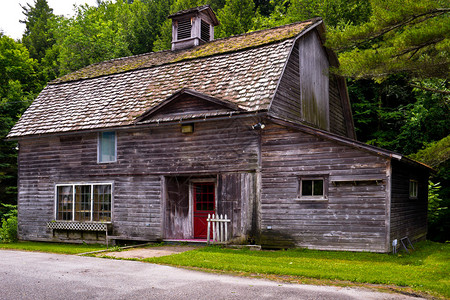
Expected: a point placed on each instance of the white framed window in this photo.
(83, 202)
(413, 188)
(107, 147)
(313, 187)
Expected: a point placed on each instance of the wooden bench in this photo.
(79, 226)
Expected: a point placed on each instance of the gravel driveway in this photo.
(148, 252)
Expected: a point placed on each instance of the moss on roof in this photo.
(220, 46)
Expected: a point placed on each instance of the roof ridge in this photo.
(312, 20)
(171, 56)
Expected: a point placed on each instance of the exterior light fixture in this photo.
(187, 128)
(258, 126)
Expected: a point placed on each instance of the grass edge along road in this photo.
(425, 270)
(58, 248)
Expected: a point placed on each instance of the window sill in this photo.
(312, 199)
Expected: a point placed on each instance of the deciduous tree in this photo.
(19, 83)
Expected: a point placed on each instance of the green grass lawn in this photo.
(52, 247)
(426, 270)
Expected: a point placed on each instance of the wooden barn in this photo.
(253, 126)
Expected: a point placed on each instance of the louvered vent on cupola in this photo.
(193, 27)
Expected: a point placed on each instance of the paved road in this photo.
(32, 275)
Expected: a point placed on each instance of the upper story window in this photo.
(84, 202)
(107, 147)
(313, 188)
(413, 189)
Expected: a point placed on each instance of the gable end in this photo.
(187, 104)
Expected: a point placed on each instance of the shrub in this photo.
(8, 231)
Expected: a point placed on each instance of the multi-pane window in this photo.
(107, 146)
(312, 188)
(204, 196)
(413, 189)
(84, 202)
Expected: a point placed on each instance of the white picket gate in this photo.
(219, 228)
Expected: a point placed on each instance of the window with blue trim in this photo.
(107, 142)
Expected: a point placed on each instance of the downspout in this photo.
(388, 206)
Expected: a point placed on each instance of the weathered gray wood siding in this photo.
(45, 162)
(237, 199)
(186, 105)
(177, 217)
(354, 215)
(286, 102)
(144, 158)
(307, 92)
(408, 216)
(314, 81)
(337, 116)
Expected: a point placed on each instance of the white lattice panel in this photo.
(78, 226)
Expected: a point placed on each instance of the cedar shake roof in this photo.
(243, 70)
(198, 9)
(190, 10)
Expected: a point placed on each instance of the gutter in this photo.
(232, 115)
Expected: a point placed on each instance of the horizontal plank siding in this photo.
(353, 217)
(408, 216)
(144, 157)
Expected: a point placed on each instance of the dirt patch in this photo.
(148, 252)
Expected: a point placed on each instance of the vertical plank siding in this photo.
(286, 102)
(337, 119)
(236, 193)
(408, 216)
(143, 156)
(314, 81)
(296, 100)
(352, 218)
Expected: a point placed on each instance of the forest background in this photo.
(394, 54)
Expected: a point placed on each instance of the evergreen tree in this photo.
(333, 12)
(410, 37)
(37, 36)
(145, 24)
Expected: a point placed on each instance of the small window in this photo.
(84, 202)
(107, 143)
(413, 189)
(312, 188)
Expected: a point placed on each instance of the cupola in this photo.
(193, 27)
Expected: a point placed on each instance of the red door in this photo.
(204, 204)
